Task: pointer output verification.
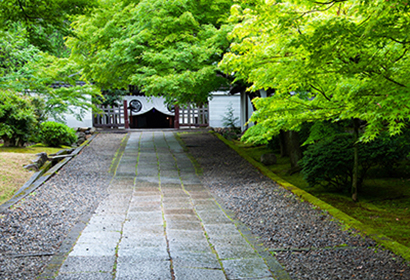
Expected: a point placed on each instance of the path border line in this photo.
(274, 266)
(55, 263)
(40, 177)
(345, 219)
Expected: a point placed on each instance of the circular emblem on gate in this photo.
(171, 107)
(135, 105)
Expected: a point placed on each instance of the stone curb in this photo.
(40, 177)
(57, 260)
(346, 220)
(275, 267)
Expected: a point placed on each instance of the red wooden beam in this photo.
(176, 121)
(126, 121)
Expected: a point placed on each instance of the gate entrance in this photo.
(152, 119)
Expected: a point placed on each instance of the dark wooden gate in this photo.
(192, 116)
(111, 116)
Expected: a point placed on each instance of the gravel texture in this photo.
(33, 229)
(306, 241)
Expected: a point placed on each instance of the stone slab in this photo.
(220, 229)
(235, 252)
(147, 180)
(93, 249)
(199, 246)
(99, 236)
(183, 225)
(177, 205)
(141, 206)
(246, 268)
(192, 259)
(131, 240)
(143, 230)
(140, 218)
(137, 198)
(179, 212)
(129, 268)
(213, 217)
(195, 188)
(88, 264)
(170, 180)
(144, 253)
(178, 234)
(188, 273)
(85, 276)
(186, 218)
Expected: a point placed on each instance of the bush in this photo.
(55, 134)
(17, 118)
(330, 162)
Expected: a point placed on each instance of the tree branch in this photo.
(400, 57)
(321, 91)
(24, 11)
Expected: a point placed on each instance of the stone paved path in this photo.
(159, 222)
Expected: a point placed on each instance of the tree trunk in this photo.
(7, 142)
(293, 147)
(355, 177)
(283, 144)
(253, 95)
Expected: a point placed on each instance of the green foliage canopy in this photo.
(326, 60)
(30, 38)
(168, 48)
(42, 20)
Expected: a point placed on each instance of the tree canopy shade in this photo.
(326, 60)
(42, 20)
(168, 48)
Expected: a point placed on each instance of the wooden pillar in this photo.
(176, 120)
(126, 121)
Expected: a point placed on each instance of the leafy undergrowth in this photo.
(12, 174)
(384, 202)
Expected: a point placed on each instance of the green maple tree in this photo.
(167, 48)
(326, 60)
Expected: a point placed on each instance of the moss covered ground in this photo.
(384, 201)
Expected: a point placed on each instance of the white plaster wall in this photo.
(87, 120)
(218, 107)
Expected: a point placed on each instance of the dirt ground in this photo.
(12, 174)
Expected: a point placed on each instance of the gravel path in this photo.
(33, 230)
(305, 240)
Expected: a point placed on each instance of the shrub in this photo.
(55, 134)
(17, 118)
(330, 162)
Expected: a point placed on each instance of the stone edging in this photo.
(40, 177)
(51, 270)
(275, 267)
(346, 220)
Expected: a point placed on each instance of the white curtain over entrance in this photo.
(149, 103)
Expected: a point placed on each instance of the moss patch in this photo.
(382, 213)
(38, 148)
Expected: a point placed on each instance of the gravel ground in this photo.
(306, 241)
(33, 230)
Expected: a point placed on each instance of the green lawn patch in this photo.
(12, 175)
(34, 149)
